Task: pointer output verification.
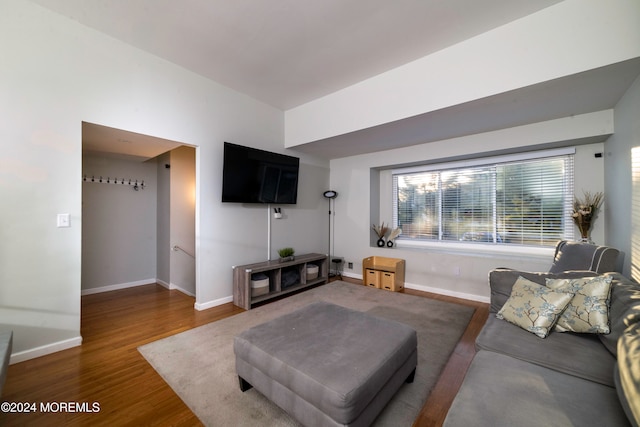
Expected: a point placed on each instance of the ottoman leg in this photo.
(411, 376)
(244, 385)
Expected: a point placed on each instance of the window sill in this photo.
(482, 250)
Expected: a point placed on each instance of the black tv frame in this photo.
(251, 175)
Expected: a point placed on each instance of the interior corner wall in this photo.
(56, 74)
(182, 229)
(163, 213)
(307, 218)
(621, 187)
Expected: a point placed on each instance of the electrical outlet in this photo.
(456, 271)
(350, 265)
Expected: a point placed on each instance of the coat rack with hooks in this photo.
(136, 184)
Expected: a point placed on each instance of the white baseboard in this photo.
(352, 275)
(118, 286)
(214, 303)
(439, 291)
(44, 350)
(184, 291)
(172, 286)
(162, 283)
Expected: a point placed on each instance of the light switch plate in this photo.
(63, 220)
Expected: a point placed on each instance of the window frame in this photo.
(488, 248)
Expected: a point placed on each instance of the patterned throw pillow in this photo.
(588, 311)
(533, 307)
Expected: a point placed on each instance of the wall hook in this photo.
(136, 184)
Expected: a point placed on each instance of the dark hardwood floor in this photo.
(107, 368)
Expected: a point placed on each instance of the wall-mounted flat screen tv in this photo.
(256, 176)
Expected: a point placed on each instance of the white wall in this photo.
(163, 213)
(621, 187)
(564, 39)
(183, 219)
(57, 74)
(118, 224)
(458, 274)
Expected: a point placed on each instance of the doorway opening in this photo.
(138, 211)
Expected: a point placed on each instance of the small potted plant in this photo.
(286, 254)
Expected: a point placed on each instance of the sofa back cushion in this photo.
(624, 309)
(584, 256)
(627, 375)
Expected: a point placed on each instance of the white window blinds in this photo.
(523, 200)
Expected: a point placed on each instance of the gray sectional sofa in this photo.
(566, 379)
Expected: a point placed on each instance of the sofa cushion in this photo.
(627, 375)
(588, 310)
(624, 309)
(499, 390)
(501, 281)
(583, 256)
(533, 307)
(580, 355)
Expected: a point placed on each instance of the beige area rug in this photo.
(199, 364)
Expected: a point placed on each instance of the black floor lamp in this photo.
(330, 195)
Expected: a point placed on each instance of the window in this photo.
(522, 199)
(635, 217)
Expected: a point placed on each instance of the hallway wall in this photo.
(118, 224)
(182, 224)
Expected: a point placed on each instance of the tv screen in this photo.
(250, 175)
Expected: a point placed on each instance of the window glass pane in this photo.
(467, 204)
(418, 205)
(530, 202)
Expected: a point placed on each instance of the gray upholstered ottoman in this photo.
(327, 365)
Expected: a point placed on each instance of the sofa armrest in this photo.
(501, 281)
